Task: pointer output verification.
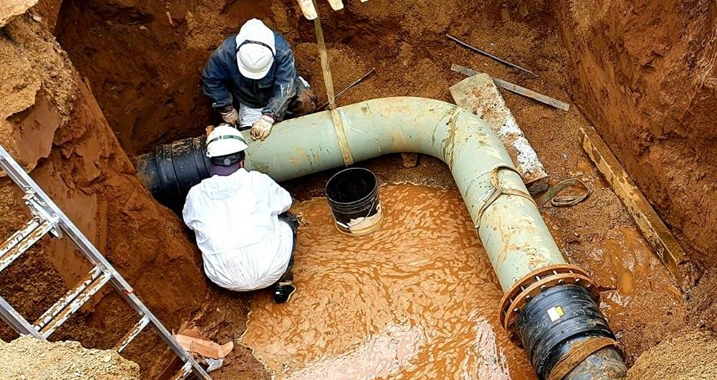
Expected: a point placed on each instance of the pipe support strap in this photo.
(341, 137)
(499, 190)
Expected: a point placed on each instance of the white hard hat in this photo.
(255, 49)
(225, 140)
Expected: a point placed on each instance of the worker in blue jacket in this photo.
(254, 72)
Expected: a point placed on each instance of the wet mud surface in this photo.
(415, 299)
(418, 297)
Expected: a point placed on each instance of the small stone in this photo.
(107, 358)
(36, 18)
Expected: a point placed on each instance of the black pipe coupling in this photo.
(555, 321)
(173, 169)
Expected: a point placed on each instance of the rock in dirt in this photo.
(689, 356)
(12, 8)
(30, 358)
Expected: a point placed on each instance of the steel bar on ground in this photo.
(348, 87)
(515, 88)
(501, 60)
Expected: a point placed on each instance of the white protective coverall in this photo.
(244, 245)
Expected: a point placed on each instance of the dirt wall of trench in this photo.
(645, 74)
(53, 125)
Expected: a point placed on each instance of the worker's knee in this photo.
(304, 103)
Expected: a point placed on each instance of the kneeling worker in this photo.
(254, 72)
(240, 219)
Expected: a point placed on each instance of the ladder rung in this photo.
(131, 334)
(183, 372)
(71, 301)
(21, 240)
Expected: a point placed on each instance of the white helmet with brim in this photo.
(256, 49)
(225, 140)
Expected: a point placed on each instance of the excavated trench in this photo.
(644, 75)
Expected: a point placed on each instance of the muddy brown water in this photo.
(418, 298)
(415, 299)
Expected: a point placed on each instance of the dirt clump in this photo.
(36, 72)
(692, 355)
(703, 308)
(13, 8)
(30, 358)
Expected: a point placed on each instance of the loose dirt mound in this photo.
(30, 358)
(691, 356)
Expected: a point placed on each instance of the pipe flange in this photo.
(535, 282)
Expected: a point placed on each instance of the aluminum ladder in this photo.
(47, 218)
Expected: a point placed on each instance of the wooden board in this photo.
(480, 95)
(652, 227)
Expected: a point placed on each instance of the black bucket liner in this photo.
(353, 197)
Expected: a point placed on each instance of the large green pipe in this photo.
(510, 227)
(517, 242)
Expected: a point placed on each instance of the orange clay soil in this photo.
(142, 61)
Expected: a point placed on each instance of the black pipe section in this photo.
(553, 322)
(173, 169)
(604, 364)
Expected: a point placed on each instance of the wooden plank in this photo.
(515, 88)
(479, 95)
(657, 234)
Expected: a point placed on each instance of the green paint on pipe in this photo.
(511, 229)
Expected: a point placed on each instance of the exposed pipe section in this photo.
(526, 260)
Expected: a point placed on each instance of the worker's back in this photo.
(243, 243)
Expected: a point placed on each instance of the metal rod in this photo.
(350, 86)
(512, 87)
(16, 321)
(501, 60)
(28, 241)
(131, 334)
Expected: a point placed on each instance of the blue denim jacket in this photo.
(224, 84)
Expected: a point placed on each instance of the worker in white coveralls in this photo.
(254, 72)
(240, 219)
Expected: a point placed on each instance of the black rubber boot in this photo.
(283, 291)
